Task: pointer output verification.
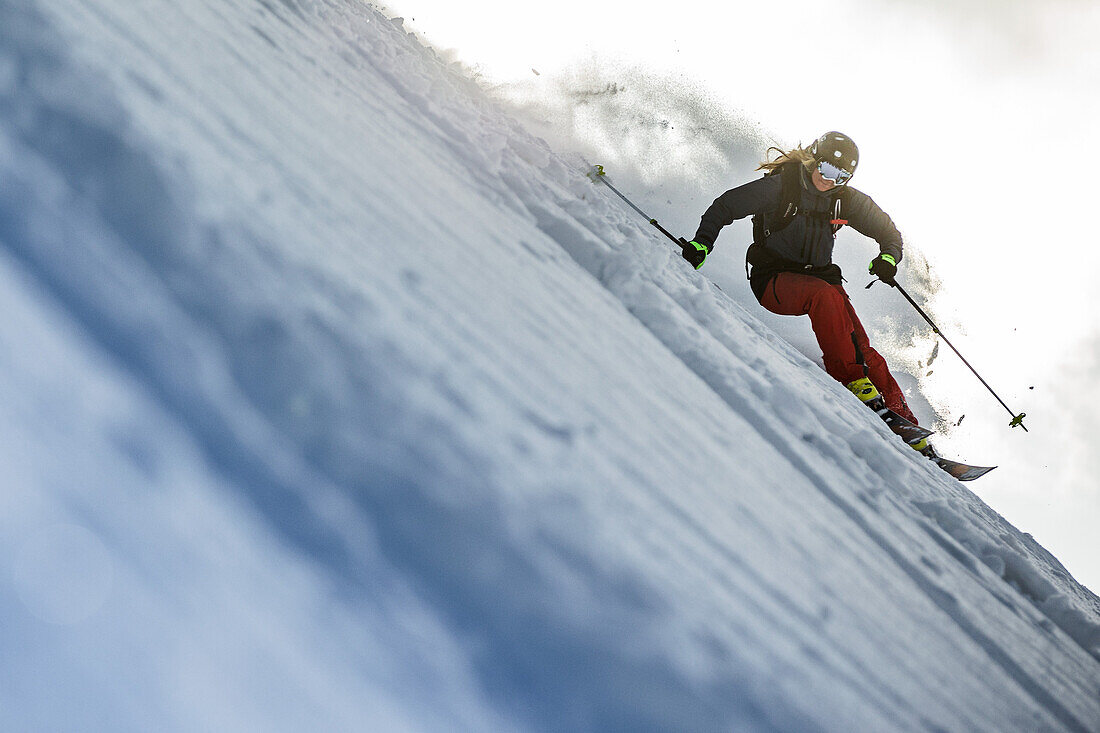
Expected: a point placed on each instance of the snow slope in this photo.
(334, 400)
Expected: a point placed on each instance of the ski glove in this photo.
(885, 268)
(694, 253)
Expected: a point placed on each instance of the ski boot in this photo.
(925, 449)
(868, 393)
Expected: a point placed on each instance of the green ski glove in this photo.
(694, 253)
(885, 267)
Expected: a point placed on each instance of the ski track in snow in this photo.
(367, 410)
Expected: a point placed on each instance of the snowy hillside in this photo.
(334, 400)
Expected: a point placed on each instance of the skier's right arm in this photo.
(755, 197)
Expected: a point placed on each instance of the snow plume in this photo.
(335, 400)
(663, 138)
(656, 129)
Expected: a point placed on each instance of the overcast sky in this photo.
(976, 123)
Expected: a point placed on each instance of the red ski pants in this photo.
(845, 349)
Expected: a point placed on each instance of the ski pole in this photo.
(597, 174)
(1017, 420)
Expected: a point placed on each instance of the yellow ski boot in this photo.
(869, 394)
(925, 449)
(866, 391)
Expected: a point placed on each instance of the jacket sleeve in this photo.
(755, 197)
(865, 216)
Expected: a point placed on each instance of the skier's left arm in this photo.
(867, 218)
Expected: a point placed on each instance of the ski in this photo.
(914, 434)
(908, 431)
(961, 471)
(911, 434)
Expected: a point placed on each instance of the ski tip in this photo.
(962, 471)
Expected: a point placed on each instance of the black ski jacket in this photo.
(806, 243)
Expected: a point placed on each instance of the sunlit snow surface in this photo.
(333, 400)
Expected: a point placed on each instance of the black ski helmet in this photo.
(836, 148)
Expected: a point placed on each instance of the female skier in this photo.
(797, 207)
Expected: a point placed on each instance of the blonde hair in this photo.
(800, 154)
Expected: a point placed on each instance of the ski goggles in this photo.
(830, 172)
